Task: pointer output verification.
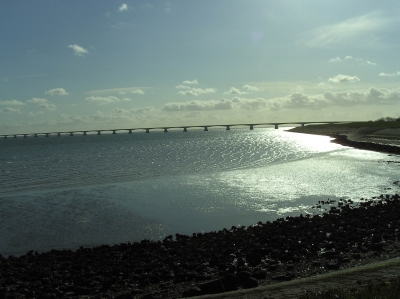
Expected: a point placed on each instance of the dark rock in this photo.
(212, 287)
(250, 283)
(230, 282)
(253, 258)
(243, 276)
(260, 274)
(332, 265)
(125, 295)
(376, 246)
(192, 292)
(273, 267)
(154, 295)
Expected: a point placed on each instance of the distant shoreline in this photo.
(363, 137)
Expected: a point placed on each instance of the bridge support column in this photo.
(165, 130)
(130, 132)
(71, 134)
(25, 136)
(276, 126)
(47, 135)
(58, 134)
(98, 133)
(184, 129)
(84, 133)
(251, 127)
(147, 131)
(114, 132)
(15, 136)
(35, 136)
(5, 137)
(205, 129)
(228, 128)
(303, 125)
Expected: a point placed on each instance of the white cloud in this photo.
(372, 96)
(119, 111)
(348, 57)
(371, 63)
(42, 103)
(78, 50)
(57, 92)
(324, 85)
(343, 79)
(337, 59)
(354, 31)
(222, 104)
(196, 91)
(250, 88)
(12, 102)
(390, 75)
(142, 110)
(137, 91)
(234, 90)
(190, 82)
(102, 100)
(182, 87)
(35, 113)
(250, 104)
(123, 7)
(10, 110)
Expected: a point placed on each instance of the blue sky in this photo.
(80, 65)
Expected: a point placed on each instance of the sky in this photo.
(86, 65)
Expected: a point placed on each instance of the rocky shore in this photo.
(347, 235)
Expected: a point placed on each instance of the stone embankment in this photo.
(346, 236)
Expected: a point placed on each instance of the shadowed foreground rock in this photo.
(207, 263)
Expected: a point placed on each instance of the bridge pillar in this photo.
(228, 128)
(47, 135)
(84, 133)
(276, 126)
(35, 136)
(25, 136)
(58, 134)
(205, 129)
(130, 132)
(147, 131)
(114, 132)
(98, 133)
(251, 127)
(165, 130)
(5, 137)
(15, 136)
(71, 134)
(184, 129)
(303, 124)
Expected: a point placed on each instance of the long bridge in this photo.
(147, 129)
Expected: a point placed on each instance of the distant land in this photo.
(383, 136)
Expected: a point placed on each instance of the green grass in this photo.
(377, 290)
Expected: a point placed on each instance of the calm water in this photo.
(66, 192)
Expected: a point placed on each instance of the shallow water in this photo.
(76, 191)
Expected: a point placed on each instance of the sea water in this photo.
(66, 192)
